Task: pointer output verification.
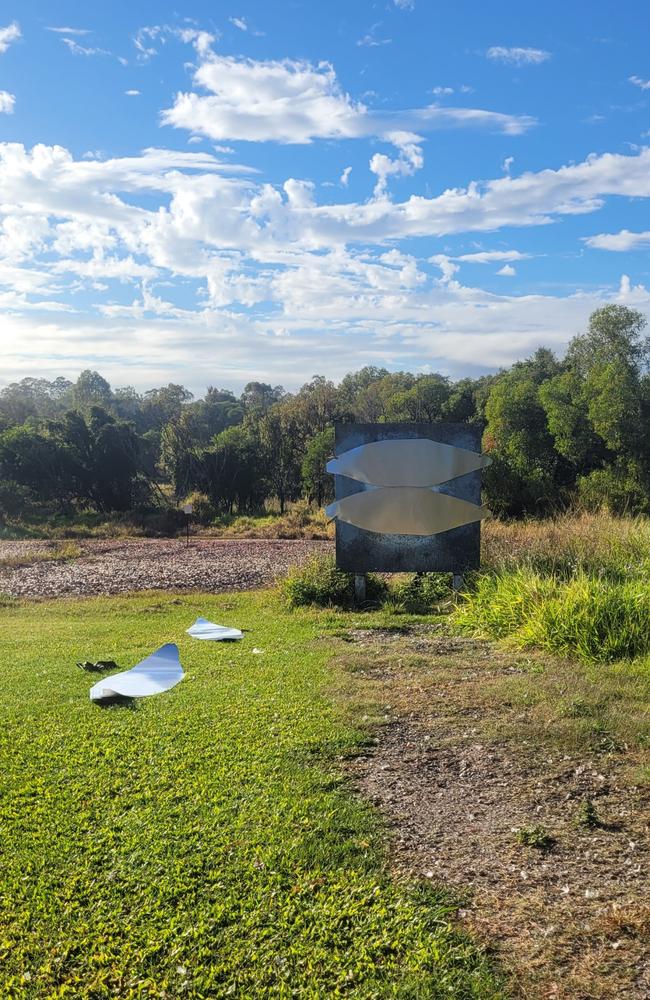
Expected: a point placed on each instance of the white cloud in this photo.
(83, 50)
(371, 39)
(201, 40)
(507, 163)
(262, 281)
(345, 177)
(8, 35)
(405, 4)
(638, 82)
(71, 31)
(621, 242)
(147, 37)
(409, 160)
(517, 56)
(7, 102)
(297, 102)
(507, 271)
(490, 256)
(132, 93)
(239, 22)
(442, 91)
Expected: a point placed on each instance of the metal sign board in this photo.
(408, 497)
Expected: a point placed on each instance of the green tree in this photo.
(318, 484)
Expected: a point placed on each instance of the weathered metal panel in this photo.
(454, 551)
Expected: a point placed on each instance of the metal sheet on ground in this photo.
(205, 629)
(158, 672)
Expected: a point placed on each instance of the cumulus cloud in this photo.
(517, 56)
(293, 101)
(409, 160)
(639, 82)
(258, 279)
(9, 34)
(621, 242)
(7, 102)
(345, 177)
(507, 271)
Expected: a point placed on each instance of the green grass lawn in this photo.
(202, 843)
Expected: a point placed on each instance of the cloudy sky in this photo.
(270, 190)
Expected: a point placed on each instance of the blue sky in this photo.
(266, 191)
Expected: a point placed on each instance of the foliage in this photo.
(560, 432)
(203, 510)
(420, 592)
(318, 582)
(535, 836)
(318, 485)
(587, 815)
(201, 844)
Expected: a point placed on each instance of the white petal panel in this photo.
(156, 673)
(412, 462)
(204, 629)
(405, 511)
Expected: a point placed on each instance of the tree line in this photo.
(560, 431)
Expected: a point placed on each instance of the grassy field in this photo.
(202, 843)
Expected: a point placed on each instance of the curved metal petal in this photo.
(156, 673)
(205, 629)
(406, 462)
(405, 511)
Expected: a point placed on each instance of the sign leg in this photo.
(359, 588)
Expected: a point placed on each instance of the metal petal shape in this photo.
(204, 629)
(158, 672)
(405, 511)
(412, 462)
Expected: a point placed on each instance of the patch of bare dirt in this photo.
(570, 921)
(119, 566)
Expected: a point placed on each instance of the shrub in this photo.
(204, 512)
(420, 592)
(319, 582)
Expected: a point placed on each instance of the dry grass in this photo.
(299, 521)
(571, 542)
(29, 553)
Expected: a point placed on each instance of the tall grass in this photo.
(598, 619)
(597, 544)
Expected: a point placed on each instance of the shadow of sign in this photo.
(456, 550)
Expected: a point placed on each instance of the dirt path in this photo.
(114, 567)
(571, 920)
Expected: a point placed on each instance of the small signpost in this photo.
(188, 509)
(408, 499)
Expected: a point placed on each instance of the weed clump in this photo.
(587, 815)
(319, 583)
(535, 836)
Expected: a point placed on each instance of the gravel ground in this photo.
(571, 922)
(115, 567)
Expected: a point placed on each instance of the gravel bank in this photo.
(115, 567)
